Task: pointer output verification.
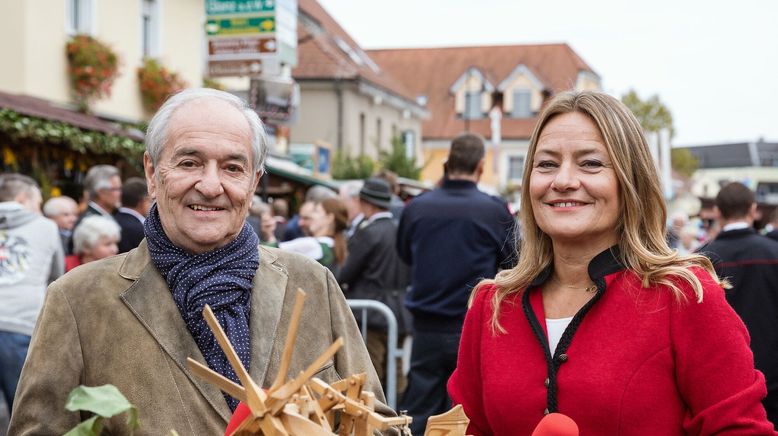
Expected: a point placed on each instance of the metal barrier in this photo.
(392, 352)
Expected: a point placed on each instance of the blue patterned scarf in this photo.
(221, 278)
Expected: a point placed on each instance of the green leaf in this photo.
(105, 401)
(91, 427)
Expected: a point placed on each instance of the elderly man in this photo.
(103, 185)
(63, 210)
(132, 320)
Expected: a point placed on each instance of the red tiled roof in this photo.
(320, 56)
(40, 108)
(432, 71)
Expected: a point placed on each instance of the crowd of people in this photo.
(601, 307)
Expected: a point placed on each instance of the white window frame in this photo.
(87, 13)
(154, 9)
(515, 113)
(508, 175)
(476, 101)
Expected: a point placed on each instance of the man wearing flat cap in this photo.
(373, 269)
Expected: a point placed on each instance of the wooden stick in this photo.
(294, 385)
(254, 396)
(291, 336)
(216, 379)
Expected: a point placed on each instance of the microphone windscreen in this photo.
(556, 424)
(242, 412)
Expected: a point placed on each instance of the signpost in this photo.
(246, 37)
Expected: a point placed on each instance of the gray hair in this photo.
(351, 188)
(156, 134)
(319, 193)
(13, 184)
(91, 229)
(56, 205)
(99, 177)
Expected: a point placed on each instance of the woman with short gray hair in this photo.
(94, 238)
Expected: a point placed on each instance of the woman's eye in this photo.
(592, 163)
(546, 164)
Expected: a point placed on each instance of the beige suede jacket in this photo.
(114, 321)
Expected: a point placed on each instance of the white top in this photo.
(308, 246)
(555, 329)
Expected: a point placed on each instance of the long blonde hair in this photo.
(642, 244)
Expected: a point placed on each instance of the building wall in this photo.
(13, 14)
(707, 182)
(40, 65)
(318, 120)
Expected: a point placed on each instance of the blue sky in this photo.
(714, 63)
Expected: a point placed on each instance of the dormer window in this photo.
(522, 93)
(472, 94)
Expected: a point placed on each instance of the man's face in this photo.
(204, 181)
(67, 218)
(110, 198)
(306, 217)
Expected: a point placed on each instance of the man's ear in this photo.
(257, 179)
(479, 169)
(151, 182)
(753, 212)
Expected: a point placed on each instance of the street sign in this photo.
(240, 48)
(239, 26)
(232, 7)
(234, 68)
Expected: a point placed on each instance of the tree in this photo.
(346, 168)
(655, 116)
(397, 162)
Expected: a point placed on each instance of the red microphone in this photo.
(556, 424)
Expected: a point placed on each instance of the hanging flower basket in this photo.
(92, 67)
(157, 83)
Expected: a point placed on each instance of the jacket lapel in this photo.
(267, 303)
(150, 301)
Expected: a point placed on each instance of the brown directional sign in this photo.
(234, 68)
(240, 47)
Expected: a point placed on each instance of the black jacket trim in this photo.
(600, 266)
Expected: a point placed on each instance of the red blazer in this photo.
(639, 363)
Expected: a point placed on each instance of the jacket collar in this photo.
(735, 233)
(605, 263)
(459, 184)
(150, 301)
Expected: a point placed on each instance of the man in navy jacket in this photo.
(452, 237)
(749, 262)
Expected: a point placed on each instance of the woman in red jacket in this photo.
(601, 320)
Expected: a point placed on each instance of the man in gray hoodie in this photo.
(30, 258)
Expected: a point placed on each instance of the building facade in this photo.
(495, 91)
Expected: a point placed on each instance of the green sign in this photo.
(231, 7)
(240, 26)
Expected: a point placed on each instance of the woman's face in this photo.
(104, 247)
(573, 186)
(322, 223)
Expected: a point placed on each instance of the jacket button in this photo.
(547, 382)
(546, 412)
(562, 357)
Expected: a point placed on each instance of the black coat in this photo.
(750, 263)
(132, 231)
(373, 270)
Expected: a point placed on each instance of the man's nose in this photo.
(210, 184)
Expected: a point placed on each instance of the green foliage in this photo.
(18, 126)
(652, 113)
(397, 162)
(345, 168)
(105, 402)
(683, 161)
(213, 83)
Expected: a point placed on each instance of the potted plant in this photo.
(92, 67)
(157, 83)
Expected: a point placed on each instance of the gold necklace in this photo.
(591, 288)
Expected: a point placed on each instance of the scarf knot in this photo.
(221, 278)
